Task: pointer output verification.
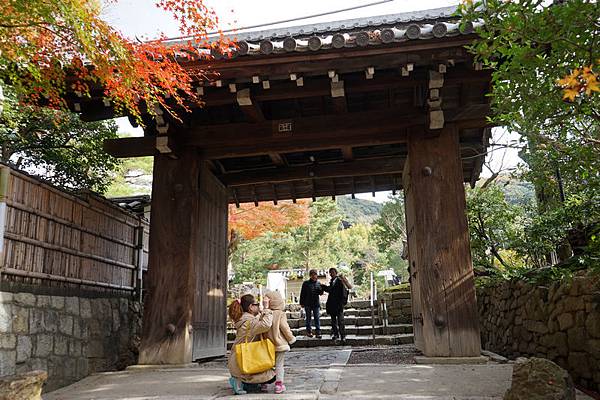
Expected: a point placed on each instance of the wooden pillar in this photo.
(174, 252)
(443, 292)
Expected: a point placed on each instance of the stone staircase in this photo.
(392, 326)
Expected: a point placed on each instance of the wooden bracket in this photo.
(436, 80)
(435, 117)
(166, 145)
(243, 97)
(337, 89)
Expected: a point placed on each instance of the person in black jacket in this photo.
(309, 300)
(337, 299)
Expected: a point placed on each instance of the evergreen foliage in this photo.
(358, 210)
(56, 146)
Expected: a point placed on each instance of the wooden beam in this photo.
(250, 108)
(93, 109)
(302, 134)
(277, 159)
(309, 134)
(141, 146)
(317, 171)
(467, 112)
(280, 136)
(359, 58)
(347, 153)
(340, 106)
(321, 86)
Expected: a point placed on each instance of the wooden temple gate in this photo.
(383, 103)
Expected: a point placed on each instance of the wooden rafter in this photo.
(288, 174)
(318, 86)
(347, 153)
(277, 159)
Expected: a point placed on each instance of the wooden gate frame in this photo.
(342, 109)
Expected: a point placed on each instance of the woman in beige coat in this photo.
(281, 335)
(248, 320)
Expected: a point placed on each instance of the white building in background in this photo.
(276, 281)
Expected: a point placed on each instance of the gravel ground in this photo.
(403, 354)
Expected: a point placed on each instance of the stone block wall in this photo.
(399, 306)
(560, 322)
(69, 337)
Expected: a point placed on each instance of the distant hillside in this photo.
(516, 192)
(358, 210)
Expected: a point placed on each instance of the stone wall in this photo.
(560, 322)
(69, 337)
(398, 305)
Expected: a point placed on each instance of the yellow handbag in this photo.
(255, 357)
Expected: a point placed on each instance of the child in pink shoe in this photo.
(281, 336)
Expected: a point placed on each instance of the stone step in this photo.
(361, 304)
(362, 330)
(348, 311)
(401, 319)
(357, 340)
(396, 295)
(349, 320)
(350, 330)
(351, 340)
(360, 321)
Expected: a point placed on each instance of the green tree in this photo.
(389, 232)
(495, 227)
(253, 258)
(567, 181)
(530, 45)
(134, 176)
(317, 241)
(544, 59)
(57, 146)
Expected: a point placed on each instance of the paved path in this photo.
(321, 373)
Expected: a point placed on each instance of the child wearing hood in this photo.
(281, 335)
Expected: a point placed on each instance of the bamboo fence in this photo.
(55, 238)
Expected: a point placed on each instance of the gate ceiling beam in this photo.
(277, 175)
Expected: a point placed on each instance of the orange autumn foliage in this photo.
(250, 221)
(579, 82)
(50, 47)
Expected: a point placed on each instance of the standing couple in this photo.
(337, 299)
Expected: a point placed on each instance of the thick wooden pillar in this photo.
(443, 292)
(174, 252)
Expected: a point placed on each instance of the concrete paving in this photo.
(459, 382)
(310, 374)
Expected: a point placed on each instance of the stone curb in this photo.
(140, 367)
(288, 395)
(451, 360)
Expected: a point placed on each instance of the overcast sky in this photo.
(142, 19)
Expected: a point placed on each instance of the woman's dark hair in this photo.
(333, 269)
(237, 308)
